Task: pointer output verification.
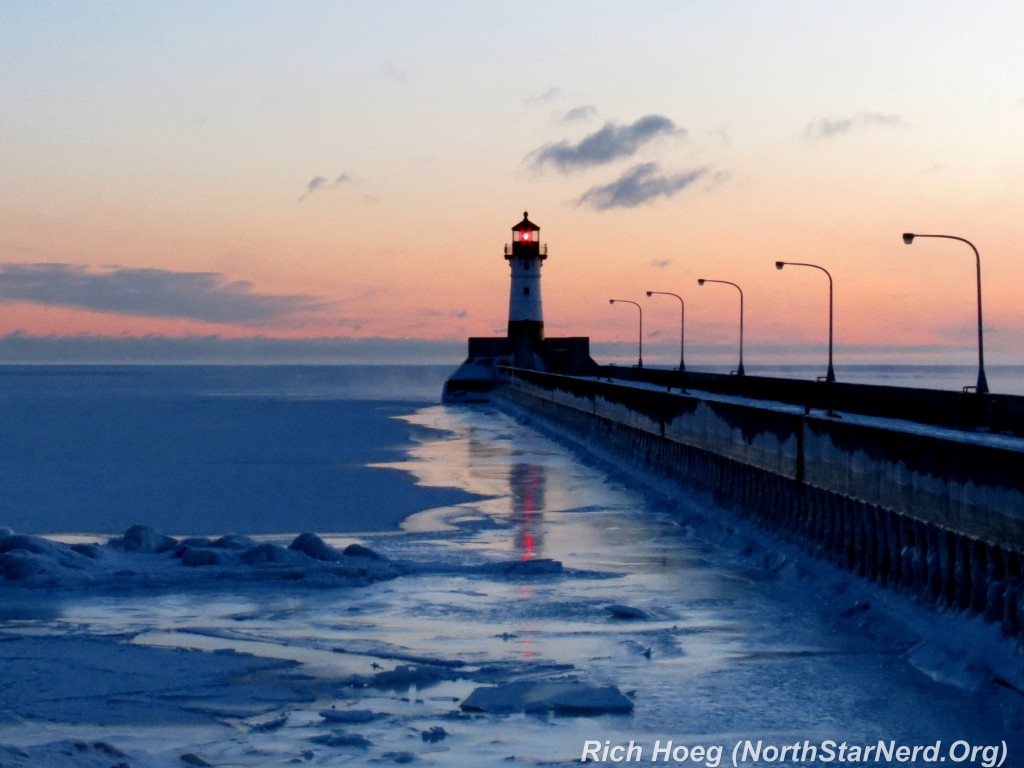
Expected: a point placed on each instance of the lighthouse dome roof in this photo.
(526, 224)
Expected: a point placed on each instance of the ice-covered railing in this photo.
(1002, 414)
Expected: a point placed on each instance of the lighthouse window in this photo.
(526, 291)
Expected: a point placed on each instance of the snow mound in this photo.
(567, 698)
(142, 538)
(313, 546)
(145, 554)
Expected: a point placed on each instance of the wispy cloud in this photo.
(610, 143)
(319, 183)
(203, 296)
(660, 263)
(826, 128)
(580, 114)
(545, 98)
(640, 184)
(458, 314)
(390, 71)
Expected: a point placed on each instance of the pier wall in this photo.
(934, 512)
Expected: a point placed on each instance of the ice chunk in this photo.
(142, 538)
(540, 566)
(237, 541)
(347, 715)
(34, 544)
(268, 553)
(434, 733)
(313, 546)
(192, 541)
(626, 612)
(560, 697)
(342, 739)
(402, 677)
(358, 550)
(23, 557)
(20, 565)
(81, 754)
(195, 556)
(91, 550)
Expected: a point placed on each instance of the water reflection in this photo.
(527, 483)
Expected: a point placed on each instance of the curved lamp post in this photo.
(982, 386)
(640, 357)
(682, 322)
(701, 281)
(830, 376)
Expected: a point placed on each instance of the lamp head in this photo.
(908, 237)
(780, 264)
(700, 281)
(650, 293)
(611, 301)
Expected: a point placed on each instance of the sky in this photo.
(344, 175)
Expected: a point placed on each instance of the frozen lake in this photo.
(527, 603)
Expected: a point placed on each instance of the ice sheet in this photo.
(715, 632)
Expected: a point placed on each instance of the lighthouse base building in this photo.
(525, 345)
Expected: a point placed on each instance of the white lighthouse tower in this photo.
(525, 347)
(525, 257)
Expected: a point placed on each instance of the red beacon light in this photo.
(525, 242)
(525, 232)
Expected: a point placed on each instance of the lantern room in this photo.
(526, 241)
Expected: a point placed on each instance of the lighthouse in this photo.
(494, 360)
(525, 256)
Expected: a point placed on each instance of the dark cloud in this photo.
(204, 296)
(606, 145)
(828, 127)
(586, 112)
(638, 185)
(318, 183)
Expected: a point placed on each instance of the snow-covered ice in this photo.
(551, 600)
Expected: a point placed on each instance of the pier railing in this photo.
(1000, 414)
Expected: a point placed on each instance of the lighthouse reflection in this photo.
(527, 482)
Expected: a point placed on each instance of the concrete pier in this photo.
(925, 509)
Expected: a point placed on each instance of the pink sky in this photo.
(202, 173)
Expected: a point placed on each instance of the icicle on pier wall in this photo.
(932, 511)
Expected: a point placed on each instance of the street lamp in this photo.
(640, 357)
(830, 376)
(682, 322)
(982, 386)
(701, 281)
